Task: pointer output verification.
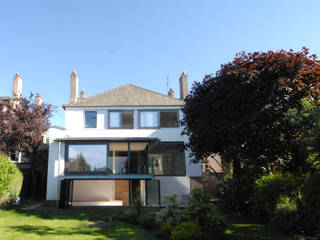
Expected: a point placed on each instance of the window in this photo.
(87, 158)
(168, 118)
(148, 119)
(118, 158)
(90, 119)
(121, 119)
(168, 158)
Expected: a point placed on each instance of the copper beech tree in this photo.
(240, 112)
(23, 124)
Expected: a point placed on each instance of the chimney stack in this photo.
(184, 91)
(17, 86)
(171, 93)
(38, 99)
(82, 94)
(74, 88)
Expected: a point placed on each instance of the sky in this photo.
(146, 43)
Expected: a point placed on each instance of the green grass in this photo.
(241, 228)
(54, 224)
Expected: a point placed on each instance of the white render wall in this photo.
(74, 124)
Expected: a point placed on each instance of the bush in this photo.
(10, 181)
(268, 191)
(204, 214)
(165, 230)
(186, 231)
(286, 218)
(171, 214)
(130, 217)
(310, 205)
(147, 221)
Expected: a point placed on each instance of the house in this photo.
(118, 146)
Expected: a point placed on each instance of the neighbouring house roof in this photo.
(127, 95)
(4, 99)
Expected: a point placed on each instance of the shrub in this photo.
(137, 203)
(171, 214)
(268, 191)
(147, 221)
(130, 217)
(310, 204)
(10, 181)
(204, 214)
(165, 230)
(186, 231)
(286, 218)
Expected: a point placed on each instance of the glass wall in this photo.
(118, 158)
(168, 158)
(87, 158)
(138, 157)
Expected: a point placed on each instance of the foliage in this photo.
(241, 111)
(137, 203)
(165, 230)
(305, 145)
(310, 204)
(270, 188)
(130, 217)
(171, 214)
(286, 218)
(79, 162)
(147, 221)
(205, 215)
(186, 231)
(23, 124)
(10, 181)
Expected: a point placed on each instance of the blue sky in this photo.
(111, 43)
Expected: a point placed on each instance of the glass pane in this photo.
(114, 119)
(91, 119)
(127, 119)
(138, 157)
(87, 158)
(149, 119)
(152, 192)
(169, 119)
(168, 159)
(118, 158)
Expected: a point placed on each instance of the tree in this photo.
(23, 123)
(240, 112)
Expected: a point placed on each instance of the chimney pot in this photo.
(82, 94)
(17, 86)
(171, 93)
(184, 90)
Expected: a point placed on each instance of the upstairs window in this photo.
(168, 118)
(90, 119)
(149, 119)
(121, 119)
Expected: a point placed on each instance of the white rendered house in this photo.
(119, 145)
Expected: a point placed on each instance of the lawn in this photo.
(53, 224)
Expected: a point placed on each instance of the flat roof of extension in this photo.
(75, 139)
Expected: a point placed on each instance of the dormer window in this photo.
(121, 119)
(90, 119)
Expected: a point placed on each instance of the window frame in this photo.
(185, 163)
(85, 122)
(149, 110)
(121, 111)
(83, 173)
(169, 110)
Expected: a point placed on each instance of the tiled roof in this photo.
(128, 95)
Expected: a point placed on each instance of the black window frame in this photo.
(85, 119)
(121, 124)
(169, 110)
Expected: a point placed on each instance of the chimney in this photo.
(171, 93)
(74, 88)
(17, 86)
(184, 91)
(82, 94)
(38, 99)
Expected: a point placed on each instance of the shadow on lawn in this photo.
(118, 232)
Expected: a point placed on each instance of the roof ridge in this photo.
(128, 84)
